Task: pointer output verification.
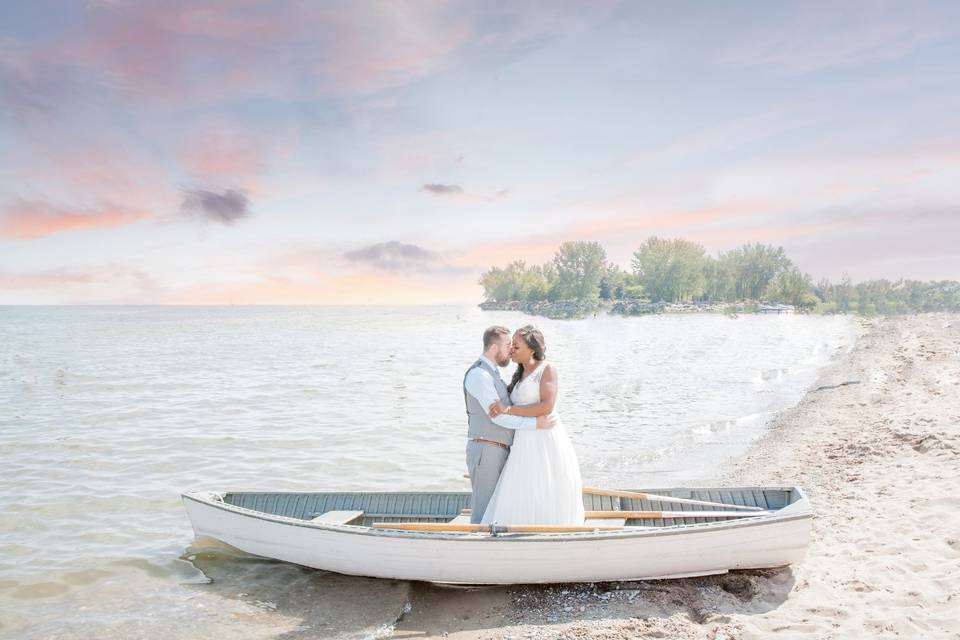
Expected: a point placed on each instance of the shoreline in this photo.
(884, 556)
(573, 310)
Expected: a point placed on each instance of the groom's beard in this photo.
(503, 362)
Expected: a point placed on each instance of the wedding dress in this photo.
(540, 482)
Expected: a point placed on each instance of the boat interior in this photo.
(366, 508)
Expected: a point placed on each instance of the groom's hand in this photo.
(546, 422)
(496, 409)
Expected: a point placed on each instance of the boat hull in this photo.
(666, 552)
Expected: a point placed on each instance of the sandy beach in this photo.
(876, 445)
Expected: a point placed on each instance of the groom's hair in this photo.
(493, 334)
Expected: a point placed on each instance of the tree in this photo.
(792, 287)
(678, 269)
(579, 266)
(844, 294)
(718, 281)
(753, 267)
(613, 283)
(671, 270)
(494, 285)
(536, 284)
(518, 282)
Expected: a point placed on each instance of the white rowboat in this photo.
(335, 531)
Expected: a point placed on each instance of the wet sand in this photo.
(876, 445)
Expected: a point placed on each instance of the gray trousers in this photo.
(484, 464)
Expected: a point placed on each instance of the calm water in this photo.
(107, 413)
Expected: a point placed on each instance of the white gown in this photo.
(540, 482)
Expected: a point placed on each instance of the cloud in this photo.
(442, 189)
(456, 192)
(108, 283)
(222, 154)
(800, 44)
(223, 151)
(21, 95)
(43, 279)
(29, 220)
(31, 87)
(226, 207)
(362, 288)
(148, 52)
(395, 256)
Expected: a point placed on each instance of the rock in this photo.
(739, 585)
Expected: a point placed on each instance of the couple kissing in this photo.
(522, 466)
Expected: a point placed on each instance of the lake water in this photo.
(108, 413)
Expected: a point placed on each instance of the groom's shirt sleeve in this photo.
(480, 385)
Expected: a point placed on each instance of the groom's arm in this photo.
(480, 385)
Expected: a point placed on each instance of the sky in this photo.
(389, 152)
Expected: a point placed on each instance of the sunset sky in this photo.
(360, 152)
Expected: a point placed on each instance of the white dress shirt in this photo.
(479, 384)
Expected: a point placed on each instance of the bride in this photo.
(540, 482)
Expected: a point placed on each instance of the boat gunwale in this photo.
(203, 497)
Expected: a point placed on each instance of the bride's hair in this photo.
(534, 339)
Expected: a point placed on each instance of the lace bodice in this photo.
(527, 390)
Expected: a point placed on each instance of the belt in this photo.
(493, 442)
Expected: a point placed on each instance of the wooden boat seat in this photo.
(338, 517)
(605, 522)
(464, 518)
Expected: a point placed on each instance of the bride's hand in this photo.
(496, 409)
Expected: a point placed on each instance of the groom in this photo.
(489, 439)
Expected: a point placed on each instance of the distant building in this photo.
(777, 308)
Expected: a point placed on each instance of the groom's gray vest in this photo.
(481, 426)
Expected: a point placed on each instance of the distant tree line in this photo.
(677, 270)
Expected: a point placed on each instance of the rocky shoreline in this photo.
(572, 309)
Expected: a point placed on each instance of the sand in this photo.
(876, 445)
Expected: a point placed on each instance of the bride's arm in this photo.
(548, 397)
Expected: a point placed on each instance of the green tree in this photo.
(678, 269)
(614, 282)
(792, 287)
(753, 267)
(494, 285)
(536, 283)
(579, 267)
(845, 295)
(671, 270)
(517, 282)
(718, 280)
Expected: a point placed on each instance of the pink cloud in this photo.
(93, 175)
(177, 51)
(107, 283)
(396, 43)
(533, 250)
(406, 156)
(222, 156)
(29, 220)
(218, 154)
(768, 233)
(363, 288)
(641, 221)
(43, 279)
(106, 169)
